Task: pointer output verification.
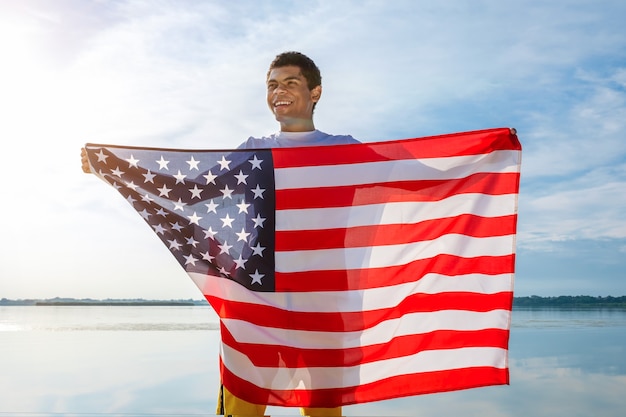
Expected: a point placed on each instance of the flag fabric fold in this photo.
(342, 274)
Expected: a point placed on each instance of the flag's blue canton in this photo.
(213, 210)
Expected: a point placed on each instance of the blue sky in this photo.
(190, 74)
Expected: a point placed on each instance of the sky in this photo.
(191, 74)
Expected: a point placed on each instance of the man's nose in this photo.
(280, 89)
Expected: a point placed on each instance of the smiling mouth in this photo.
(282, 103)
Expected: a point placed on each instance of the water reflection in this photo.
(551, 318)
(151, 361)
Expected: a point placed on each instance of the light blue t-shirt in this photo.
(296, 139)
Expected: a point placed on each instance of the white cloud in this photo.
(584, 213)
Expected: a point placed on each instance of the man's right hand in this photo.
(84, 161)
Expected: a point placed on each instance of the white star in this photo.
(131, 185)
(163, 163)
(117, 172)
(258, 221)
(257, 250)
(210, 178)
(256, 163)
(176, 226)
(258, 192)
(211, 206)
(227, 221)
(240, 263)
(132, 162)
(189, 259)
(242, 235)
(161, 212)
(144, 213)
(195, 191)
(224, 163)
(179, 205)
(191, 241)
(149, 177)
(243, 207)
(256, 277)
(224, 248)
(209, 233)
(164, 191)
(207, 256)
(147, 198)
(223, 271)
(241, 178)
(130, 199)
(193, 164)
(158, 229)
(102, 157)
(194, 219)
(174, 244)
(180, 178)
(227, 192)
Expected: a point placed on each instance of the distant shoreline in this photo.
(563, 301)
(107, 302)
(114, 303)
(568, 301)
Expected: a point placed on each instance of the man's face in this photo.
(288, 95)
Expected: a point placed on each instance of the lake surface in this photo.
(162, 361)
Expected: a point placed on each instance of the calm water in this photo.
(144, 361)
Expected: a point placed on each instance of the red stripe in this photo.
(457, 144)
(355, 279)
(428, 383)
(392, 234)
(398, 191)
(268, 316)
(274, 356)
(398, 386)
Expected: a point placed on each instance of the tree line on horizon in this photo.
(570, 301)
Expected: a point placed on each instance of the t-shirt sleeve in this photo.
(350, 139)
(253, 143)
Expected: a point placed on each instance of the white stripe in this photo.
(321, 378)
(409, 324)
(395, 212)
(397, 170)
(392, 255)
(353, 300)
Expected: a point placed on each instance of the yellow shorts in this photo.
(228, 404)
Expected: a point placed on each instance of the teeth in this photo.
(282, 103)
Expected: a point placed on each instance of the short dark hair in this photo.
(309, 70)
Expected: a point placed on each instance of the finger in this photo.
(84, 161)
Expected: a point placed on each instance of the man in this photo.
(294, 86)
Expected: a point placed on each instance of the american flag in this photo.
(342, 274)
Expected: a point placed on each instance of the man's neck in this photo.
(297, 126)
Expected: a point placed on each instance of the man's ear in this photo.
(316, 93)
